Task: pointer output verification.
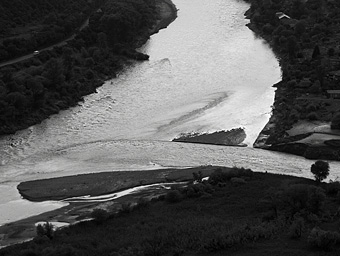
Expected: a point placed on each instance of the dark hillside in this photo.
(33, 89)
(27, 25)
(237, 212)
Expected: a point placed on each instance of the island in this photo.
(233, 137)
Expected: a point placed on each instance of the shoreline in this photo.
(82, 185)
(96, 184)
(109, 66)
(296, 94)
(24, 229)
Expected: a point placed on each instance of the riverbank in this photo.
(57, 79)
(90, 184)
(307, 51)
(248, 213)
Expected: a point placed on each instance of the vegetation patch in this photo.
(233, 137)
(215, 216)
(304, 36)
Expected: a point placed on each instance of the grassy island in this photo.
(304, 35)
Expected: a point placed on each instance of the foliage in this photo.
(332, 188)
(335, 124)
(173, 196)
(296, 228)
(99, 215)
(219, 176)
(35, 88)
(320, 170)
(126, 208)
(298, 197)
(40, 23)
(312, 116)
(197, 190)
(224, 223)
(197, 176)
(321, 239)
(45, 230)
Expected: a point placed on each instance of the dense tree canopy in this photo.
(55, 79)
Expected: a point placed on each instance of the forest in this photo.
(33, 89)
(304, 36)
(26, 26)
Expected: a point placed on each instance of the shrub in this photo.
(99, 215)
(331, 52)
(335, 124)
(173, 196)
(320, 169)
(316, 199)
(45, 230)
(296, 229)
(218, 176)
(333, 188)
(126, 208)
(323, 239)
(299, 197)
(142, 202)
(315, 88)
(197, 190)
(197, 176)
(312, 116)
(294, 115)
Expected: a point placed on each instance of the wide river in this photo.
(207, 71)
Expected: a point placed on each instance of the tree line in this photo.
(28, 25)
(56, 79)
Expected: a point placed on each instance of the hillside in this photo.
(236, 212)
(26, 25)
(58, 78)
(304, 35)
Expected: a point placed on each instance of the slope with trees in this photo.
(32, 90)
(26, 25)
(235, 212)
(304, 35)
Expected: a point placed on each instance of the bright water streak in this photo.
(207, 72)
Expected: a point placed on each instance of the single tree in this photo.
(320, 170)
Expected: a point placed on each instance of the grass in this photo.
(228, 221)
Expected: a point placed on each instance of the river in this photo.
(207, 71)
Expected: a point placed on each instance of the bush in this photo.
(333, 188)
(126, 208)
(316, 199)
(323, 239)
(173, 196)
(312, 116)
(320, 169)
(218, 176)
(197, 190)
(335, 124)
(296, 229)
(197, 176)
(99, 215)
(300, 197)
(45, 230)
(142, 202)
